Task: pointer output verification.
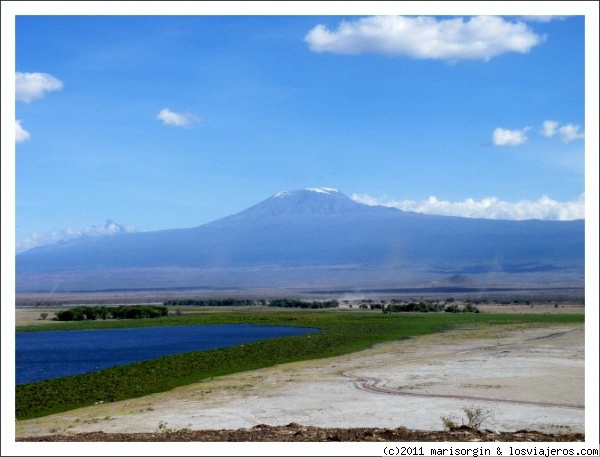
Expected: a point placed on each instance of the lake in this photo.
(47, 355)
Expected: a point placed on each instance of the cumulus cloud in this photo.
(109, 228)
(565, 133)
(505, 137)
(549, 128)
(31, 86)
(476, 38)
(544, 208)
(169, 117)
(20, 133)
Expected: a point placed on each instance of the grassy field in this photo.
(342, 332)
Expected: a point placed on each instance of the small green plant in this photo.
(163, 427)
(185, 430)
(449, 423)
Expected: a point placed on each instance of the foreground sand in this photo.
(525, 378)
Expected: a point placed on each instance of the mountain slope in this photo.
(319, 229)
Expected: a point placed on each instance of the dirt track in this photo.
(375, 384)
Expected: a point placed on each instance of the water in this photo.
(48, 355)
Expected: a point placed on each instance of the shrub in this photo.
(449, 423)
(474, 418)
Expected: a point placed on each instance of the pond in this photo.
(46, 355)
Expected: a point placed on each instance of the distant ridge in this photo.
(317, 237)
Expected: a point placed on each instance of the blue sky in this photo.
(159, 122)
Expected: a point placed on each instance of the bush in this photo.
(474, 419)
(476, 416)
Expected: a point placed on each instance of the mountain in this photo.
(312, 238)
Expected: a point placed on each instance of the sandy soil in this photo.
(525, 378)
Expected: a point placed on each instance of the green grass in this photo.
(341, 333)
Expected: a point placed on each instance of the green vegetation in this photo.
(277, 303)
(341, 333)
(215, 302)
(426, 307)
(82, 313)
(292, 303)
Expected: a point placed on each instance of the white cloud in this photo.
(476, 38)
(570, 132)
(549, 128)
(30, 86)
(169, 117)
(20, 133)
(56, 236)
(505, 137)
(544, 208)
(540, 18)
(565, 133)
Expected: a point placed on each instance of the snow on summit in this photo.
(319, 190)
(322, 190)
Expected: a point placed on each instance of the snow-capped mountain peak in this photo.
(318, 190)
(301, 203)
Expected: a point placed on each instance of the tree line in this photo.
(278, 303)
(414, 307)
(215, 302)
(293, 303)
(424, 307)
(81, 313)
